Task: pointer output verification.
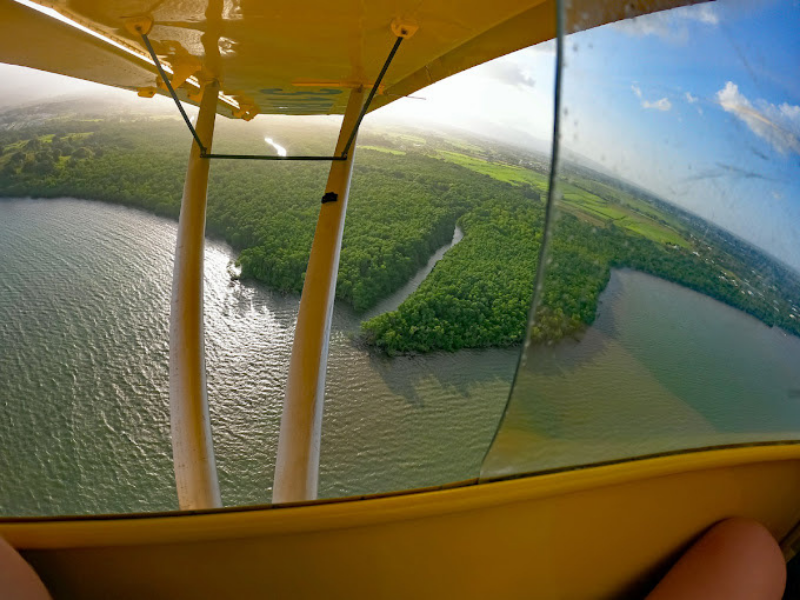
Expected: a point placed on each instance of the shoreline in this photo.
(366, 315)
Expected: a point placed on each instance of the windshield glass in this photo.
(667, 318)
(669, 314)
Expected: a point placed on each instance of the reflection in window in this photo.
(670, 313)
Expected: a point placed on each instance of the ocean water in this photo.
(663, 368)
(84, 421)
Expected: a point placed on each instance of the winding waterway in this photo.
(84, 427)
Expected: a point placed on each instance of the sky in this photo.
(699, 104)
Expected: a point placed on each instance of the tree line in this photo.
(402, 208)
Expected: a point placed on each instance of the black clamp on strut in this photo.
(330, 197)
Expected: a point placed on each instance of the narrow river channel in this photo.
(84, 426)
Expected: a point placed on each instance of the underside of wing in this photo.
(271, 58)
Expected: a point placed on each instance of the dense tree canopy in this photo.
(402, 209)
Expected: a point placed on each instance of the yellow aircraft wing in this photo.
(283, 58)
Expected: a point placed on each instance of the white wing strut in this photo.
(297, 462)
(192, 447)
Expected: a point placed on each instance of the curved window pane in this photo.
(432, 297)
(670, 312)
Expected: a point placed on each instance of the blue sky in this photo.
(699, 104)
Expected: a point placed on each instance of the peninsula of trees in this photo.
(409, 192)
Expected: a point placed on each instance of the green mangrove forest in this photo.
(409, 192)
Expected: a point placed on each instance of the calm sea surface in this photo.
(84, 421)
(84, 426)
(663, 368)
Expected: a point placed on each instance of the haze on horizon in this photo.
(691, 103)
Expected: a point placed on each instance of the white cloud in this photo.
(704, 13)
(663, 104)
(690, 99)
(471, 99)
(509, 73)
(548, 47)
(779, 125)
(791, 112)
(672, 24)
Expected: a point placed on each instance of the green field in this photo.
(408, 137)
(501, 172)
(582, 198)
(403, 209)
(14, 147)
(382, 149)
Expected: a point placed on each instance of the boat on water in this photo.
(602, 530)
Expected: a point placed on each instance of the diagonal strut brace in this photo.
(203, 150)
